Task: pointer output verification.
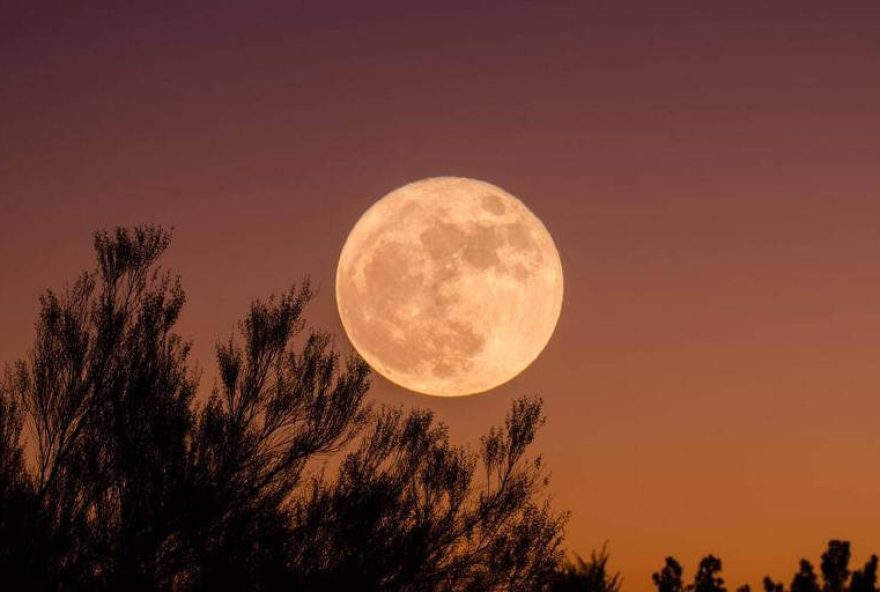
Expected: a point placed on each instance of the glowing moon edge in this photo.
(449, 286)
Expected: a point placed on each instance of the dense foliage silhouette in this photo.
(836, 575)
(668, 579)
(113, 475)
(587, 576)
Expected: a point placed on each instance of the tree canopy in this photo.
(836, 575)
(114, 474)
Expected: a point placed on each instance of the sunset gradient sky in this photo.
(710, 172)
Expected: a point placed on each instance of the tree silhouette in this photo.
(865, 579)
(587, 576)
(114, 476)
(285, 476)
(835, 575)
(19, 521)
(407, 512)
(275, 410)
(835, 566)
(107, 394)
(707, 578)
(669, 579)
(805, 579)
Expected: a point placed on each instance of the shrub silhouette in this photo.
(707, 578)
(587, 576)
(835, 575)
(135, 484)
(669, 579)
(865, 579)
(805, 578)
(113, 475)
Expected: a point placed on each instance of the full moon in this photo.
(449, 286)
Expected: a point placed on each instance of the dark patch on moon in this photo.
(391, 273)
(394, 272)
(480, 247)
(417, 271)
(442, 241)
(453, 361)
(519, 236)
(493, 204)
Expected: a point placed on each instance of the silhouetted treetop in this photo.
(835, 575)
(587, 576)
(865, 579)
(114, 475)
(133, 484)
(770, 586)
(835, 566)
(805, 579)
(707, 578)
(669, 579)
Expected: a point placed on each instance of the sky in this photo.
(708, 171)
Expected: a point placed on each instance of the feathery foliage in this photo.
(130, 482)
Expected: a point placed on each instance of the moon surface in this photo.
(449, 286)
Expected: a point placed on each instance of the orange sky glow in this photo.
(708, 171)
